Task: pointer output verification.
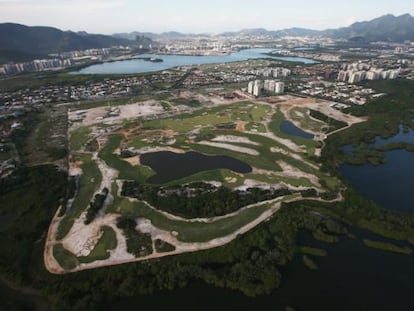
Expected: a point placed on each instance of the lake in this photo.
(291, 129)
(351, 277)
(170, 61)
(170, 166)
(391, 184)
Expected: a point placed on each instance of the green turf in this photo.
(88, 184)
(66, 259)
(79, 137)
(126, 171)
(106, 243)
(194, 231)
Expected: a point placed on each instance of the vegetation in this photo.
(30, 197)
(312, 251)
(332, 123)
(385, 246)
(101, 250)
(199, 199)
(138, 243)
(65, 258)
(126, 171)
(88, 183)
(309, 262)
(95, 205)
(163, 247)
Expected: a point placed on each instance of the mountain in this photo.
(384, 28)
(298, 32)
(19, 42)
(170, 35)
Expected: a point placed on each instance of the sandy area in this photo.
(230, 147)
(134, 161)
(100, 114)
(235, 139)
(150, 149)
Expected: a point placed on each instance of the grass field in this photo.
(194, 231)
(65, 258)
(274, 126)
(106, 243)
(126, 171)
(301, 115)
(89, 182)
(79, 137)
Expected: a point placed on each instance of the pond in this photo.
(170, 166)
(291, 129)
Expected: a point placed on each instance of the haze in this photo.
(213, 16)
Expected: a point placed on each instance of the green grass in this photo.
(301, 115)
(126, 171)
(211, 175)
(296, 182)
(79, 137)
(389, 247)
(106, 243)
(66, 259)
(274, 126)
(88, 184)
(163, 247)
(244, 111)
(194, 231)
(258, 112)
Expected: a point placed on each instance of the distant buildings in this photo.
(256, 87)
(356, 72)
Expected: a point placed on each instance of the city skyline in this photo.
(111, 16)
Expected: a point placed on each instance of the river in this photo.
(170, 61)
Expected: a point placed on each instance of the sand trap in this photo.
(235, 139)
(230, 147)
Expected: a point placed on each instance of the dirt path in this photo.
(50, 262)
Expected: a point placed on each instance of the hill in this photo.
(19, 42)
(385, 28)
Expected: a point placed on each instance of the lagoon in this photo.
(139, 65)
(391, 184)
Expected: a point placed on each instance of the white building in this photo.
(279, 87)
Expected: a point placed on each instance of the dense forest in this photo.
(199, 199)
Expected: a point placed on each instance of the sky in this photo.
(195, 16)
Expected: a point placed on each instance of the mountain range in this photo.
(20, 43)
(384, 28)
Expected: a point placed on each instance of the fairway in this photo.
(245, 131)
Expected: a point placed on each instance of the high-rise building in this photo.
(250, 87)
(257, 88)
(279, 87)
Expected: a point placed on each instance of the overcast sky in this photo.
(212, 16)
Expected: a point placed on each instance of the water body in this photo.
(291, 129)
(391, 184)
(170, 166)
(352, 277)
(406, 137)
(170, 61)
